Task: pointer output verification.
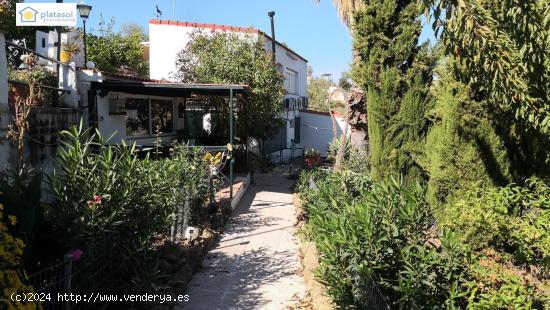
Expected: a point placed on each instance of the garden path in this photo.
(256, 263)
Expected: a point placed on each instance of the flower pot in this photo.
(214, 170)
(65, 57)
(312, 161)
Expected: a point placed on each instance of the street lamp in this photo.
(84, 11)
(271, 14)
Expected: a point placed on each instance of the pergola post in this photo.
(231, 138)
(246, 135)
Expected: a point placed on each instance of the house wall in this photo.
(45, 45)
(289, 60)
(165, 42)
(317, 132)
(168, 38)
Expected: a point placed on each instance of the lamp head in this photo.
(271, 14)
(84, 10)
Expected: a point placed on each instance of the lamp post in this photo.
(271, 14)
(84, 11)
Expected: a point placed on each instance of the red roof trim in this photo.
(214, 27)
(202, 25)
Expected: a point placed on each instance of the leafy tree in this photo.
(318, 94)
(396, 73)
(221, 58)
(504, 48)
(131, 29)
(345, 81)
(114, 51)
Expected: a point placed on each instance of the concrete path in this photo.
(255, 265)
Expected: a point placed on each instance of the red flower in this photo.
(97, 198)
(76, 254)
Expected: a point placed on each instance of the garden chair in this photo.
(217, 178)
(217, 171)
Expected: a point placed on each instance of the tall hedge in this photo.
(462, 145)
(396, 73)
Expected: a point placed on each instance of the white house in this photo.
(167, 38)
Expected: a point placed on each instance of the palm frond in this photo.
(346, 8)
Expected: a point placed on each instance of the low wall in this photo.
(316, 130)
(45, 124)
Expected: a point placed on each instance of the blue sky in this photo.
(314, 31)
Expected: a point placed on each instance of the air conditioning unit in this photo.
(117, 106)
(287, 103)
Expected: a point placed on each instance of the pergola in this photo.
(166, 89)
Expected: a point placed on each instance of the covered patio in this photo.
(110, 110)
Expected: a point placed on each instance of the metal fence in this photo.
(92, 273)
(275, 143)
(368, 294)
(181, 215)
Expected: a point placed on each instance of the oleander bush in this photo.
(105, 189)
(106, 193)
(369, 231)
(489, 250)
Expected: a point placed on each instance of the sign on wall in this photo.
(46, 14)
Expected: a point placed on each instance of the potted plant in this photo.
(68, 50)
(35, 77)
(213, 162)
(312, 158)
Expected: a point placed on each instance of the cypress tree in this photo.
(396, 73)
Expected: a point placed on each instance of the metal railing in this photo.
(15, 61)
(92, 273)
(28, 50)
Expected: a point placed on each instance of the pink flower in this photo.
(76, 254)
(97, 198)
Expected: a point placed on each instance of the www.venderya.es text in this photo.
(95, 297)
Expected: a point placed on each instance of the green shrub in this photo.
(513, 219)
(105, 191)
(370, 231)
(495, 285)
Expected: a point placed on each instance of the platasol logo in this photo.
(46, 14)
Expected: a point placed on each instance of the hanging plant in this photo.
(68, 50)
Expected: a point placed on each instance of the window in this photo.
(146, 116)
(161, 116)
(291, 81)
(137, 123)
